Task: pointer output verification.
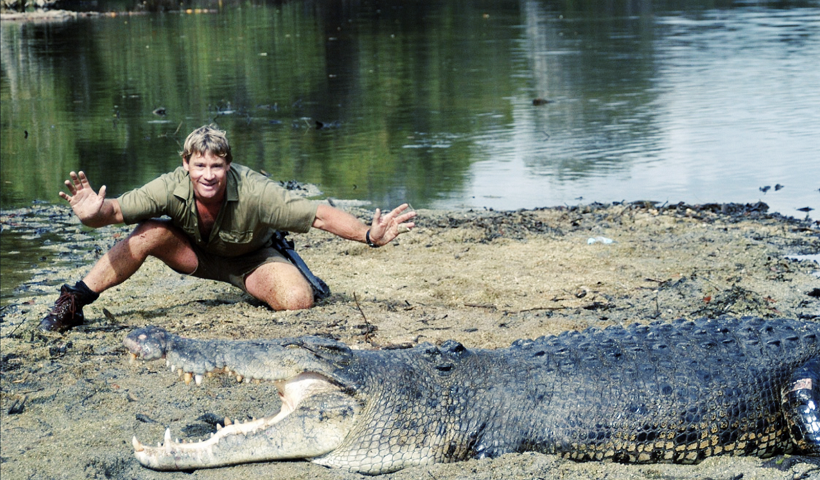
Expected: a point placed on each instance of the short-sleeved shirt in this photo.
(254, 208)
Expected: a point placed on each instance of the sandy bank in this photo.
(484, 278)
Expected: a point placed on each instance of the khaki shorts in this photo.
(233, 269)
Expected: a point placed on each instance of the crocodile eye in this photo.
(143, 336)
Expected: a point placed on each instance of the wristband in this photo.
(368, 241)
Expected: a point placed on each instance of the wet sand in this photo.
(71, 403)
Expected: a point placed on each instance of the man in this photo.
(222, 219)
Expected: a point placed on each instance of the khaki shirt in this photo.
(254, 208)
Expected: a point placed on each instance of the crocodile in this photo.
(662, 392)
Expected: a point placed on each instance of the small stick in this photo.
(366, 323)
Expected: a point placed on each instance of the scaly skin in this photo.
(675, 392)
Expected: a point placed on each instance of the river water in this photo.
(426, 102)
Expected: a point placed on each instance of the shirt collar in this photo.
(183, 189)
(232, 191)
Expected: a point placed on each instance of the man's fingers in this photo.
(401, 217)
(404, 227)
(84, 180)
(102, 193)
(377, 217)
(393, 213)
(78, 182)
(405, 217)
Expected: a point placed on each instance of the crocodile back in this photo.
(673, 392)
(663, 392)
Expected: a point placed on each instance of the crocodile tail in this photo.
(801, 407)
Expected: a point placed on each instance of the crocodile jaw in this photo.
(315, 418)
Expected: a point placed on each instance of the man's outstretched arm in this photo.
(91, 208)
(383, 229)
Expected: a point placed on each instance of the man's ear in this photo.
(185, 165)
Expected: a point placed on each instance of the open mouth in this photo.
(317, 410)
(292, 393)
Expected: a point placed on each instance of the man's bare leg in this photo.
(280, 285)
(158, 238)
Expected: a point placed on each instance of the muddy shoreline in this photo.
(71, 403)
(47, 16)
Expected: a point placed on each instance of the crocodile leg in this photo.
(801, 407)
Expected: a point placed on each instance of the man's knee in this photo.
(281, 286)
(296, 297)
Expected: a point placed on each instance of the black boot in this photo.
(67, 312)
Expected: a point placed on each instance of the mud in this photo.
(71, 403)
(44, 16)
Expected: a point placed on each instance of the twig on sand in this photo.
(367, 328)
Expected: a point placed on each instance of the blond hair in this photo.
(207, 139)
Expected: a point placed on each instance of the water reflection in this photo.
(429, 102)
(698, 104)
(266, 74)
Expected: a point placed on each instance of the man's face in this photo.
(209, 176)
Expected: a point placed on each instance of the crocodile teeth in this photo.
(228, 421)
(239, 378)
(198, 379)
(168, 440)
(187, 378)
(218, 427)
(137, 445)
(132, 357)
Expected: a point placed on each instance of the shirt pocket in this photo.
(236, 238)
(191, 231)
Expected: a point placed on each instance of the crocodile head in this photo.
(319, 404)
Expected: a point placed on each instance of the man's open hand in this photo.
(86, 203)
(385, 228)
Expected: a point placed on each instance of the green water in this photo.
(80, 95)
